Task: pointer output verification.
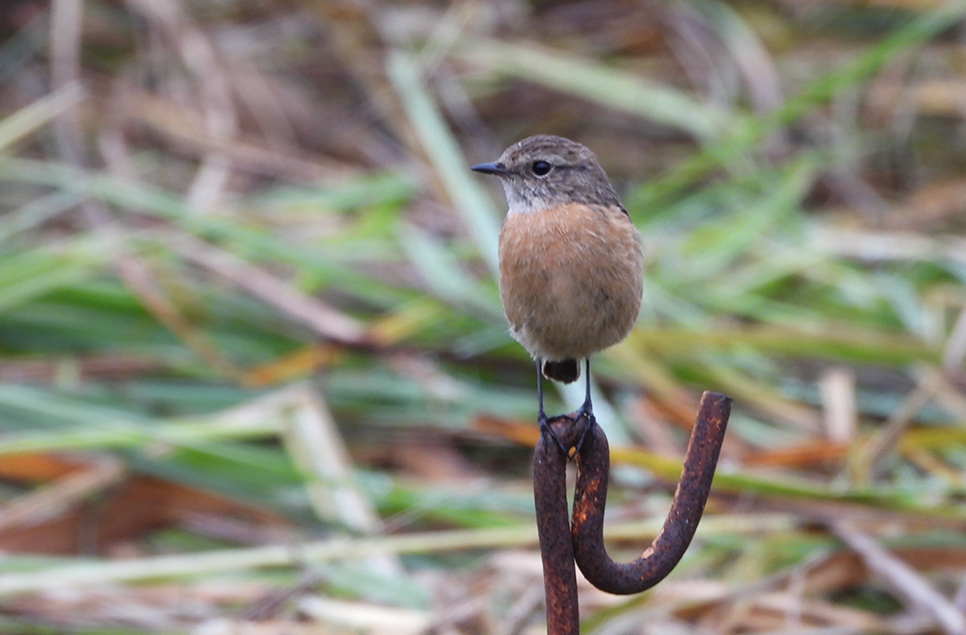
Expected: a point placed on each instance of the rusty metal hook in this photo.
(553, 525)
(562, 543)
(593, 463)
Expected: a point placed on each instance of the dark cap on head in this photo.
(545, 171)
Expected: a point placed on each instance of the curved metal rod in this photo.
(553, 524)
(593, 462)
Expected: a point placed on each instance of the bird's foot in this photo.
(545, 428)
(586, 413)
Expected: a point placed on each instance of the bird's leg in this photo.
(588, 407)
(541, 415)
(542, 420)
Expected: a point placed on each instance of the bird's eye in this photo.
(540, 168)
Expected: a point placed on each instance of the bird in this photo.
(571, 262)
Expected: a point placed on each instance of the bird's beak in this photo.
(490, 168)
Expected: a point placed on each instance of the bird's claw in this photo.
(586, 412)
(545, 428)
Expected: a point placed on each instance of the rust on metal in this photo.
(593, 463)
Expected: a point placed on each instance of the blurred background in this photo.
(255, 373)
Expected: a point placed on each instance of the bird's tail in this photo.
(565, 370)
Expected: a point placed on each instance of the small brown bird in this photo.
(571, 264)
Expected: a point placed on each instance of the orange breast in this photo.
(570, 279)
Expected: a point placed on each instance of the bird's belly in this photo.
(570, 283)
